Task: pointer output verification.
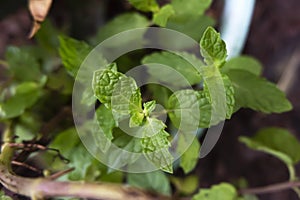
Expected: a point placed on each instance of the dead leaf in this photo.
(39, 10)
(36, 26)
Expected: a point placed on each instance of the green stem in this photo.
(293, 177)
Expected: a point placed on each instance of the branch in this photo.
(38, 188)
(271, 188)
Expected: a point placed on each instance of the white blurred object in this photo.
(235, 24)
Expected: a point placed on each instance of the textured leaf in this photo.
(257, 93)
(151, 127)
(149, 107)
(178, 63)
(23, 65)
(119, 24)
(104, 83)
(155, 149)
(121, 103)
(223, 191)
(161, 17)
(243, 63)
(136, 111)
(196, 107)
(277, 142)
(184, 109)
(192, 8)
(230, 101)
(213, 48)
(155, 181)
(106, 121)
(72, 53)
(145, 5)
(190, 156)
(25, 95)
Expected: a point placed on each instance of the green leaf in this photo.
(257, 93)
(213, 48)
(223, 191)
(192, 26)
(176, 62)
(66, 148)
(160, 93)
(4, 197)
(22, 64)
(190, 156)
(60, 81)
(155, 149)
(187, 185)
(106, 121)
(104, 83)
(72, 53)
(145, 5)
(243, 63)
(24, 96)
(149, 107)
(119, 24)
(192, 8)
(136, 111)
(277, 142)
(121, 103)
(47, 37)
(184, 109)
(161, 17)
(230, 101)
(155, 181)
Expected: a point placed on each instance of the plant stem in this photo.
(38, 188)
(271, 188)
(293, 177)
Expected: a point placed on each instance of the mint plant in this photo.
(152, 122)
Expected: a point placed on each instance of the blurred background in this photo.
(274, 39)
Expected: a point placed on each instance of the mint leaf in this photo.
(192, 8)
(193, 26)
(257, 93)
(119, 24)
(223, 191)
(149, 107)
(121, 103)
(190, 155)
(23, 65)
(161, 17)
(24, 96)
(181, 68)
(104, 83)
(106, 121)
(243, 63)
(184, 109)
(151, 127)
(213, 48)
(127, 143)
(186, 185)
(136, 111)
(155, 149)
(230, 101)
(155, 181)
(277, 142)
(189, 107)
(72, 53)
(145, 5)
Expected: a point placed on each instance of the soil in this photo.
(274, 39)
